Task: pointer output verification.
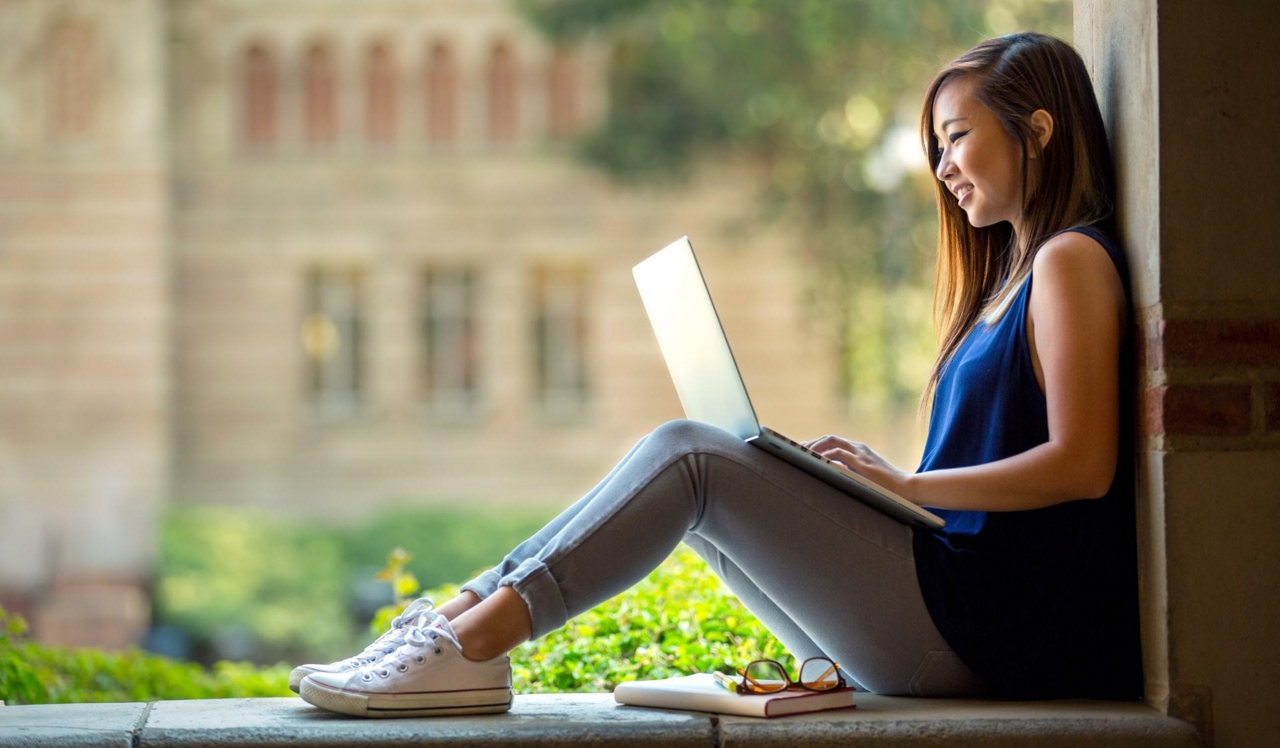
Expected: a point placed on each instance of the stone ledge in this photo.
(893, 721)
(594, 719)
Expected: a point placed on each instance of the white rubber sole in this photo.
(480, 701)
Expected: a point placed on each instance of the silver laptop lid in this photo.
(693, 342)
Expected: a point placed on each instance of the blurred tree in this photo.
(821, 100)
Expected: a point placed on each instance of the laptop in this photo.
(710, 386)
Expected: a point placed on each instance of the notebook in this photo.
(701, 693)
(710, 386)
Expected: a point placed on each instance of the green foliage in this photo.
(288, 587)
(32, 673)
(821, 98)
(233, 570)
(403, 585)
(679, 620)
(403, 582)
(448, 545)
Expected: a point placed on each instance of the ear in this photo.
(1042, 125)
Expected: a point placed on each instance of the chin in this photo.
(979, 221)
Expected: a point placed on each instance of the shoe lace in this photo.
(419, 613)
(418, 641)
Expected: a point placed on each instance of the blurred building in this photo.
(324, 257)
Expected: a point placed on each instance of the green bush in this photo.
(679, 620)
(32, 673)
(287, 587)
(224, 570)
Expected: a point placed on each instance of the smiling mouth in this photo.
(962, 192)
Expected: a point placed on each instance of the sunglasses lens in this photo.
(819, 674)
(764, 677)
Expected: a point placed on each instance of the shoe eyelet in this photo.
(420, 659)
(402, 668)
(384, 673)
(438, 650)
(366, 677)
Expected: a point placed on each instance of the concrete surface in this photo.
(595, 720)
(78, 725)
(533, 720)
(885, 721)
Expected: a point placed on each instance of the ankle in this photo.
(494, 627)
(477, 649)
(466, 600)
(482, 637)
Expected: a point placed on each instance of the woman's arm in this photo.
(1075, 319)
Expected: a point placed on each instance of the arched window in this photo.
(562, 91)
(320, 92)
(442, 94)
(73, 80)
(502, 93)
(260, 87)
(380, 95)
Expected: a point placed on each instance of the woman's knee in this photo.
(685, 436)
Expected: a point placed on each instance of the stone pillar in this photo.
(1189, 93)
(83, 313)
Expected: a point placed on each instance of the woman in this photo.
(1031, 589)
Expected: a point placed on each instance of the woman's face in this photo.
(980, 162)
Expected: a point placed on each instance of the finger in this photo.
(846, 460)
(844, 457)
(845, 450)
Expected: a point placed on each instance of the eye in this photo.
(953, 137)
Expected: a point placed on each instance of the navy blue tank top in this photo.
(1040, 603)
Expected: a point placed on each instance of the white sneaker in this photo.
(419, 613)
(426, 676)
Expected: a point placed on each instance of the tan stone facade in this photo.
(231, 287)
(84, 303)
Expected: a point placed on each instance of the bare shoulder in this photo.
(1073, 253)
(1074, 266)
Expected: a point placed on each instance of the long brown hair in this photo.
(980, 268)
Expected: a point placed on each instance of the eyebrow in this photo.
(953, 119)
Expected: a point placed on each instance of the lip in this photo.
(960, 200)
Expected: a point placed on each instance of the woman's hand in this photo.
(864, 461)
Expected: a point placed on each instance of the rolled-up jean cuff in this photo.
(484, 585)
(532, 580)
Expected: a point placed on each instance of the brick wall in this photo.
(1211, 383)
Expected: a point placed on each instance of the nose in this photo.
(945, 169)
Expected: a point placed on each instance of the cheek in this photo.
(1011, 161)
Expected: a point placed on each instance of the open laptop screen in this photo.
(693, 342)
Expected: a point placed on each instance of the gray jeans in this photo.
(825, 574)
